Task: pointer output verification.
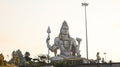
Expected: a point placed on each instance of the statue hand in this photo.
(47, 40)
(79, 40)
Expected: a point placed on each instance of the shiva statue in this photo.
(67, 45)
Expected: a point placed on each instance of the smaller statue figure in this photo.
(16, 59)
(66, 44)
(98, 57)
(4, 63)
(103, 61)
(1, 59)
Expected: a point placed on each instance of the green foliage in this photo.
(27, 57)
(27, 54)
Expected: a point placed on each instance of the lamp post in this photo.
(86, 4)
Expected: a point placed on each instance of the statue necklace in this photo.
(66, 43)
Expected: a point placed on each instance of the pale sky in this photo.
(23, 25)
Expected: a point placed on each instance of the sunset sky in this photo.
(24, 23)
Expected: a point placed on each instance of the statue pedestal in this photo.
(63, 58)
(67, 62)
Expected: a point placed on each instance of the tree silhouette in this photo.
(27, 57)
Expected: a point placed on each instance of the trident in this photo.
(48, 31)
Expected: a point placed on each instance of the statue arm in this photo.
(54, 47)
(76, 47)
(48, 43)
(74, 43)
(78, 40)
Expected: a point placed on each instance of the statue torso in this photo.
(65, 46)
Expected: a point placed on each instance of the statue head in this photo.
(64, 29)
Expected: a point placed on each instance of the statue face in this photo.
(65, 30)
